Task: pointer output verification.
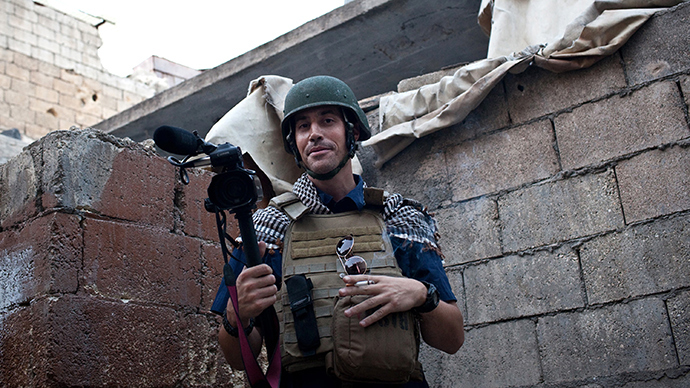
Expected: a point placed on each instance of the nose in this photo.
(315, 132)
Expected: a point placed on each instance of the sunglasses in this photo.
(353, 265)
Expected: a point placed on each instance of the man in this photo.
(321, 126)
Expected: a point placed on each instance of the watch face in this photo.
(434, 294)
(432, 299)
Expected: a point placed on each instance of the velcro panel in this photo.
(291, 337)
(316, 294)
(324, 242)
(320, 312)
(309, 268)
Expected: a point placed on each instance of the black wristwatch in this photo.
(432, 298)
(233, 330)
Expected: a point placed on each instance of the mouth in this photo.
(318, 150)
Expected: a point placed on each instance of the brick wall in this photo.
(564, 208)
(108, 268)
(50, 74)
(562, 201)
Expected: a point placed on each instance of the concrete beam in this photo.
(370, 44)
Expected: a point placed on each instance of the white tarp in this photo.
(254, 125)
(558, 35)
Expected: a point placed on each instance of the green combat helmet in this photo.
(318, 91)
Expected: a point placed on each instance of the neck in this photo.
(340, 185)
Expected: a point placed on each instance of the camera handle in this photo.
(249, 243)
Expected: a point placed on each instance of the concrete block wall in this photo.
(50, 74)
(563, 202)
(109, 267)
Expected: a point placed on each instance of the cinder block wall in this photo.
(108, 267)
(564, 208)
(50, 74)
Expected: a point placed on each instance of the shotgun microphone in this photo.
(177, 140)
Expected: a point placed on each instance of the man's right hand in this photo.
(256, 291)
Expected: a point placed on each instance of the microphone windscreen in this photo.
(175, 140)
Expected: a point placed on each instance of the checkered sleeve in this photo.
(409, 220)
(270, 225)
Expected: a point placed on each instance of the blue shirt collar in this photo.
(356, 195)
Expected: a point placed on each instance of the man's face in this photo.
(320, 137)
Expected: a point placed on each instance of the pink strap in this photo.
(251, 366)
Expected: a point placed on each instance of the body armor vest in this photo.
(309, 296)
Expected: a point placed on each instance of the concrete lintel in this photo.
(370, 44)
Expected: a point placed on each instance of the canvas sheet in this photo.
(254, 125)
(559, 36)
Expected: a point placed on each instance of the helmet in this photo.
(318, 91)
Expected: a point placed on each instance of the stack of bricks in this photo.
(50, 74)
(109, 267)
(563, 202)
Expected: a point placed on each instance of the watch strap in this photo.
(233, 330)
(432, 299)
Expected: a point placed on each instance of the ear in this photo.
(355, 132)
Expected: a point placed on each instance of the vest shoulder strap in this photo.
(374, 196)
(290, 204)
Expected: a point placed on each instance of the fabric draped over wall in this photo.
(522, 33)
(254, 125)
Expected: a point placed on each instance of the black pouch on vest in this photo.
(306, 329)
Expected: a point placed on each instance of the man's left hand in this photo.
(392, 294)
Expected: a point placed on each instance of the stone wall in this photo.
(564, 208)
(50, 74)
(108, 268)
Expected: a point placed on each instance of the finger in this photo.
(257, 289)
(264, 292)
(351, 279)
(251, 305)
(363, 287)
(267, 301)
(253, 273)
(365, 305)
(264, 281)
(256, 306)
(374, 317)
(258, 270)
(255, 283)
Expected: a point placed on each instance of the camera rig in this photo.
(234, 188)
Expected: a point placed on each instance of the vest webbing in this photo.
(309, 249)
